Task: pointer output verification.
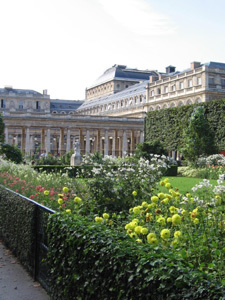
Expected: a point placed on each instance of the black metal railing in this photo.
(39, 217)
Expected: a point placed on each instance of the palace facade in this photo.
(111, 118)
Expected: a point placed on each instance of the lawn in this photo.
(185, 184)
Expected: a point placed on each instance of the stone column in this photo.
(98, 141)
(141, 137)
(81, 140)
(68, 140)
(48, 138)
(132, 142)
(115, 143)
(23, 139)
(61, 141)
(27, 143)
(106, 150)
(42, 140)
(32, 144)
(87, 150)
(124, 147)
(6, 135)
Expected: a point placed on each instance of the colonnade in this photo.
(60, 140)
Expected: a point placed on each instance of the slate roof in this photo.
(64, 105)
(121, 72)
(18, 92)
(136, 89)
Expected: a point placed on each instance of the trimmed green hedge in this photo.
(17, 226)
(171, 171)
(88, 260)
(167, 125)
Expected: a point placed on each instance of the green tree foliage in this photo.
(198, 138)
(12, 153)
(147, 148)
(167, 125)
(1, 129)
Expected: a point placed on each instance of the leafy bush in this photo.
(12, 153)
(93, 261)
(198, 139)
(147, 148)
(114, 180)
(212, 160)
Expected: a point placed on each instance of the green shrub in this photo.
(12, 153)
(88, 260)
(147, 148)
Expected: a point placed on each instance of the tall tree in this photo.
(198, 139)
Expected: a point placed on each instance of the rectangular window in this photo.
(173, 88)
(2, 103)
(38, 105)
(20, 104)
(223, 81)
(152, 93)
(199, 80)
(211, 80)
(181, 85)
(190, 83)
(166, 89)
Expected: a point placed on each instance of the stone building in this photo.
(37, 124)
(199, 83)
(111, 118)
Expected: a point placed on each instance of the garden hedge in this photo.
(167, 125)
(89, 260)
(17, 226)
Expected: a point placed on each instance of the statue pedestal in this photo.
(75, 160)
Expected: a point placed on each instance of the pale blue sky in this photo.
(64, 45)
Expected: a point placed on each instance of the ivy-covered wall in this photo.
(167, 125)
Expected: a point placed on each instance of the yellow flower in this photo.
(65, 189)
(161, 221)
(172, 192)
(110, 222)
(153, 241)
(137, 229)
(165, 201)
(139, 240)
(105, 216)
(60, 201)
(196, 220)
(162, 183)
(144, 204)
(176, 219)
(150, 236)
(188, 195)
(144, 231)
(134, 193)
(165, 234)
(154, 199)
(46, 193)
(135, 220)
(177, 234)
(98, 219)
(133, 235)
(60, 195)
(168, 185)
(77, 200)
(68, 211)
(173, 209)
(136, 210)
(174, 242)
(166, 179)
(161, 195)
(169, 220)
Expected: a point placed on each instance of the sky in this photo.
(65, 45)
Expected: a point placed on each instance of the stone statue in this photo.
(76, 157)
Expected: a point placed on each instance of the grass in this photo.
(185, 184)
